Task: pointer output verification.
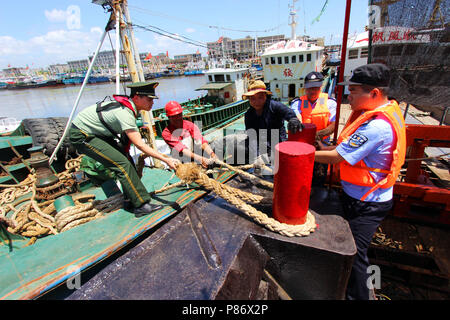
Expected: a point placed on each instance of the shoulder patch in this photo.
(357, 140)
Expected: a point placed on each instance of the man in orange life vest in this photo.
(316, 107)
(95, 128)
(369, 153)
(182, 135)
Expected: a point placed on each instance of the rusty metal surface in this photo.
(211, 250)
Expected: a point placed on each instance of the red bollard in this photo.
(294, 164)
(308, 134)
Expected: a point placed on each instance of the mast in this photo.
(135, 68)
(293, 22)
(116, 6)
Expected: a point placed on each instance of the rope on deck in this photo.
(191, 172)
(32, 219)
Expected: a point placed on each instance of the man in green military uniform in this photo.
(93, 132)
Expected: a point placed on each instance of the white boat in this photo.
(8, 124)
(227, 84)
(286, 63)
(356, 55)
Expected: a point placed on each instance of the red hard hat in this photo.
(173, 108)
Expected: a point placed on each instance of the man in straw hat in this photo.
(94, 132)
(267, 114)
(370, 153)
(181, 135)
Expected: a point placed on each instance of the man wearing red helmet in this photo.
(180, 133)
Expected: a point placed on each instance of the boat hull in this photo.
(31, 271)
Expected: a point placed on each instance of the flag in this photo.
(148, 57)
(167, 54)
(220, 40)
(9, 65)
(207, 53)
(198, 52)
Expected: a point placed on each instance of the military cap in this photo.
(313, 80)
(144, 88)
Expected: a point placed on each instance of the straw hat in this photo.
(254, 88)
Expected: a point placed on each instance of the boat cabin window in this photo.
(272, 60)
(308, 57)
(364, 52)
(286, 59)
(219, 78)
(353, 54)
(294, 59)
(300, 58)
(228, 77)
(279, 60)
(210, 78)
(267, 60)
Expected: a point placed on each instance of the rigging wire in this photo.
(171, 35)
(168, 32)
(198, 23)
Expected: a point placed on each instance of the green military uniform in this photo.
(90, 137)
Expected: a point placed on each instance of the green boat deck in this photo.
(30, 271)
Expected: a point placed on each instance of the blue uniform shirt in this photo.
(372, 142)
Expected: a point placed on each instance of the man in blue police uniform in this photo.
(370, 153)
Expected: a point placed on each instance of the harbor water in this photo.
(59, 101)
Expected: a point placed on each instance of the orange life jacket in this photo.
(320, 115)
(359, 174)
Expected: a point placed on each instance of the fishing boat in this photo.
(42, 265)
(199, 246)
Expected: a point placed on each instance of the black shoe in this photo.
(146, 208)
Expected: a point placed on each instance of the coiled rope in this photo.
(32, 219)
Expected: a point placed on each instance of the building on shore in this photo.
(58, 68)
(78, 65)
(185, 58)
(246, 48)
(240, 49)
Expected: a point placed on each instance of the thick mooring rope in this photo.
(33, 219)
(245, 174)
(191, 172)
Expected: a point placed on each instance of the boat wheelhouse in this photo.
(226, 84)
(357, 54)
(286, 65)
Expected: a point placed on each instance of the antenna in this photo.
(293, 15)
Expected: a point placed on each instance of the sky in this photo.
(40, 33)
